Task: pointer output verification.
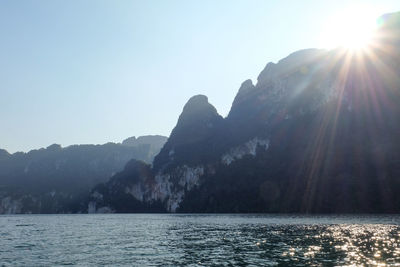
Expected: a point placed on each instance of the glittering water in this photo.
(198, 240)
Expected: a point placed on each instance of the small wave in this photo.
(24, 246)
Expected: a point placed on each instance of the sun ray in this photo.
(352, 29)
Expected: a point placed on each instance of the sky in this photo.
(95, 71)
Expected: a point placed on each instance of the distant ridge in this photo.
(57, 179)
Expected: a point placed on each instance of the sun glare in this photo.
(352, 29)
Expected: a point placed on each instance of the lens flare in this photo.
(352, 29)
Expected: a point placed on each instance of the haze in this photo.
(98, 71)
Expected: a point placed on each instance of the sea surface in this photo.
(199, 240)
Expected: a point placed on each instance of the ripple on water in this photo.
(199, 240)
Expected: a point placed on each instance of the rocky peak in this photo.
(246, 91)
(246, 87)
(289, 64)
(198, 121)
(197, 109)
(197, 116)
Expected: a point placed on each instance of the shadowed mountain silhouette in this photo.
(318, 132)
(57, 179)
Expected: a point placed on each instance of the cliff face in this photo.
(318, 132)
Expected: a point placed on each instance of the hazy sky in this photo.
(74, 72)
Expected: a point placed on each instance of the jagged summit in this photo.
(196, 100)
(197, 117)
(198, 121)
(245, 88)
(197, 109)
(246, 91)
(289, 64)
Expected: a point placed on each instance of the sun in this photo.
(352, 29)
(356, 35)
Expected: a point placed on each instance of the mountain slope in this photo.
(318, 132)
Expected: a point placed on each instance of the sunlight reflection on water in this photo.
(199, 240)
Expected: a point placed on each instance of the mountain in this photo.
(193, 135)
(317, 133)
(151, 143)
(186, 145)
(56, 179)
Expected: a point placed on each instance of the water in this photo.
(198, 240)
